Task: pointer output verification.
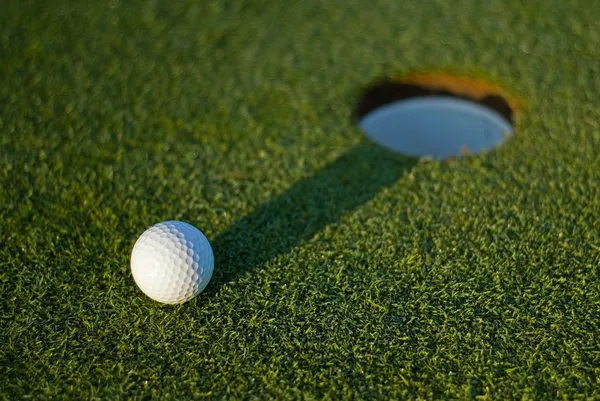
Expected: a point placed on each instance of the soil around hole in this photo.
(388, 91)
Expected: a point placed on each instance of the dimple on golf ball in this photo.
(172, 262)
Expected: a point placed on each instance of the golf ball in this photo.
(172, 262)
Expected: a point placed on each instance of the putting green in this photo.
(342, 271)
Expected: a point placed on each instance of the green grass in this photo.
(343, 272)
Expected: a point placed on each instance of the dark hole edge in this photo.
(385, 92)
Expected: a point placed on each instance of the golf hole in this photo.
(436, 115)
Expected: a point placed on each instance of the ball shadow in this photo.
(295, 216)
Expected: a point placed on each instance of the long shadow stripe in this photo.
(295, 216)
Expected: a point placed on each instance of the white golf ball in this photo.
(172, 262)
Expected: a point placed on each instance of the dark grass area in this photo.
(281, 224)
(343, 272)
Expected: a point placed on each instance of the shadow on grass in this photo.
(293, 217)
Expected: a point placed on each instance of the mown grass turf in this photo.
(342, 272)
